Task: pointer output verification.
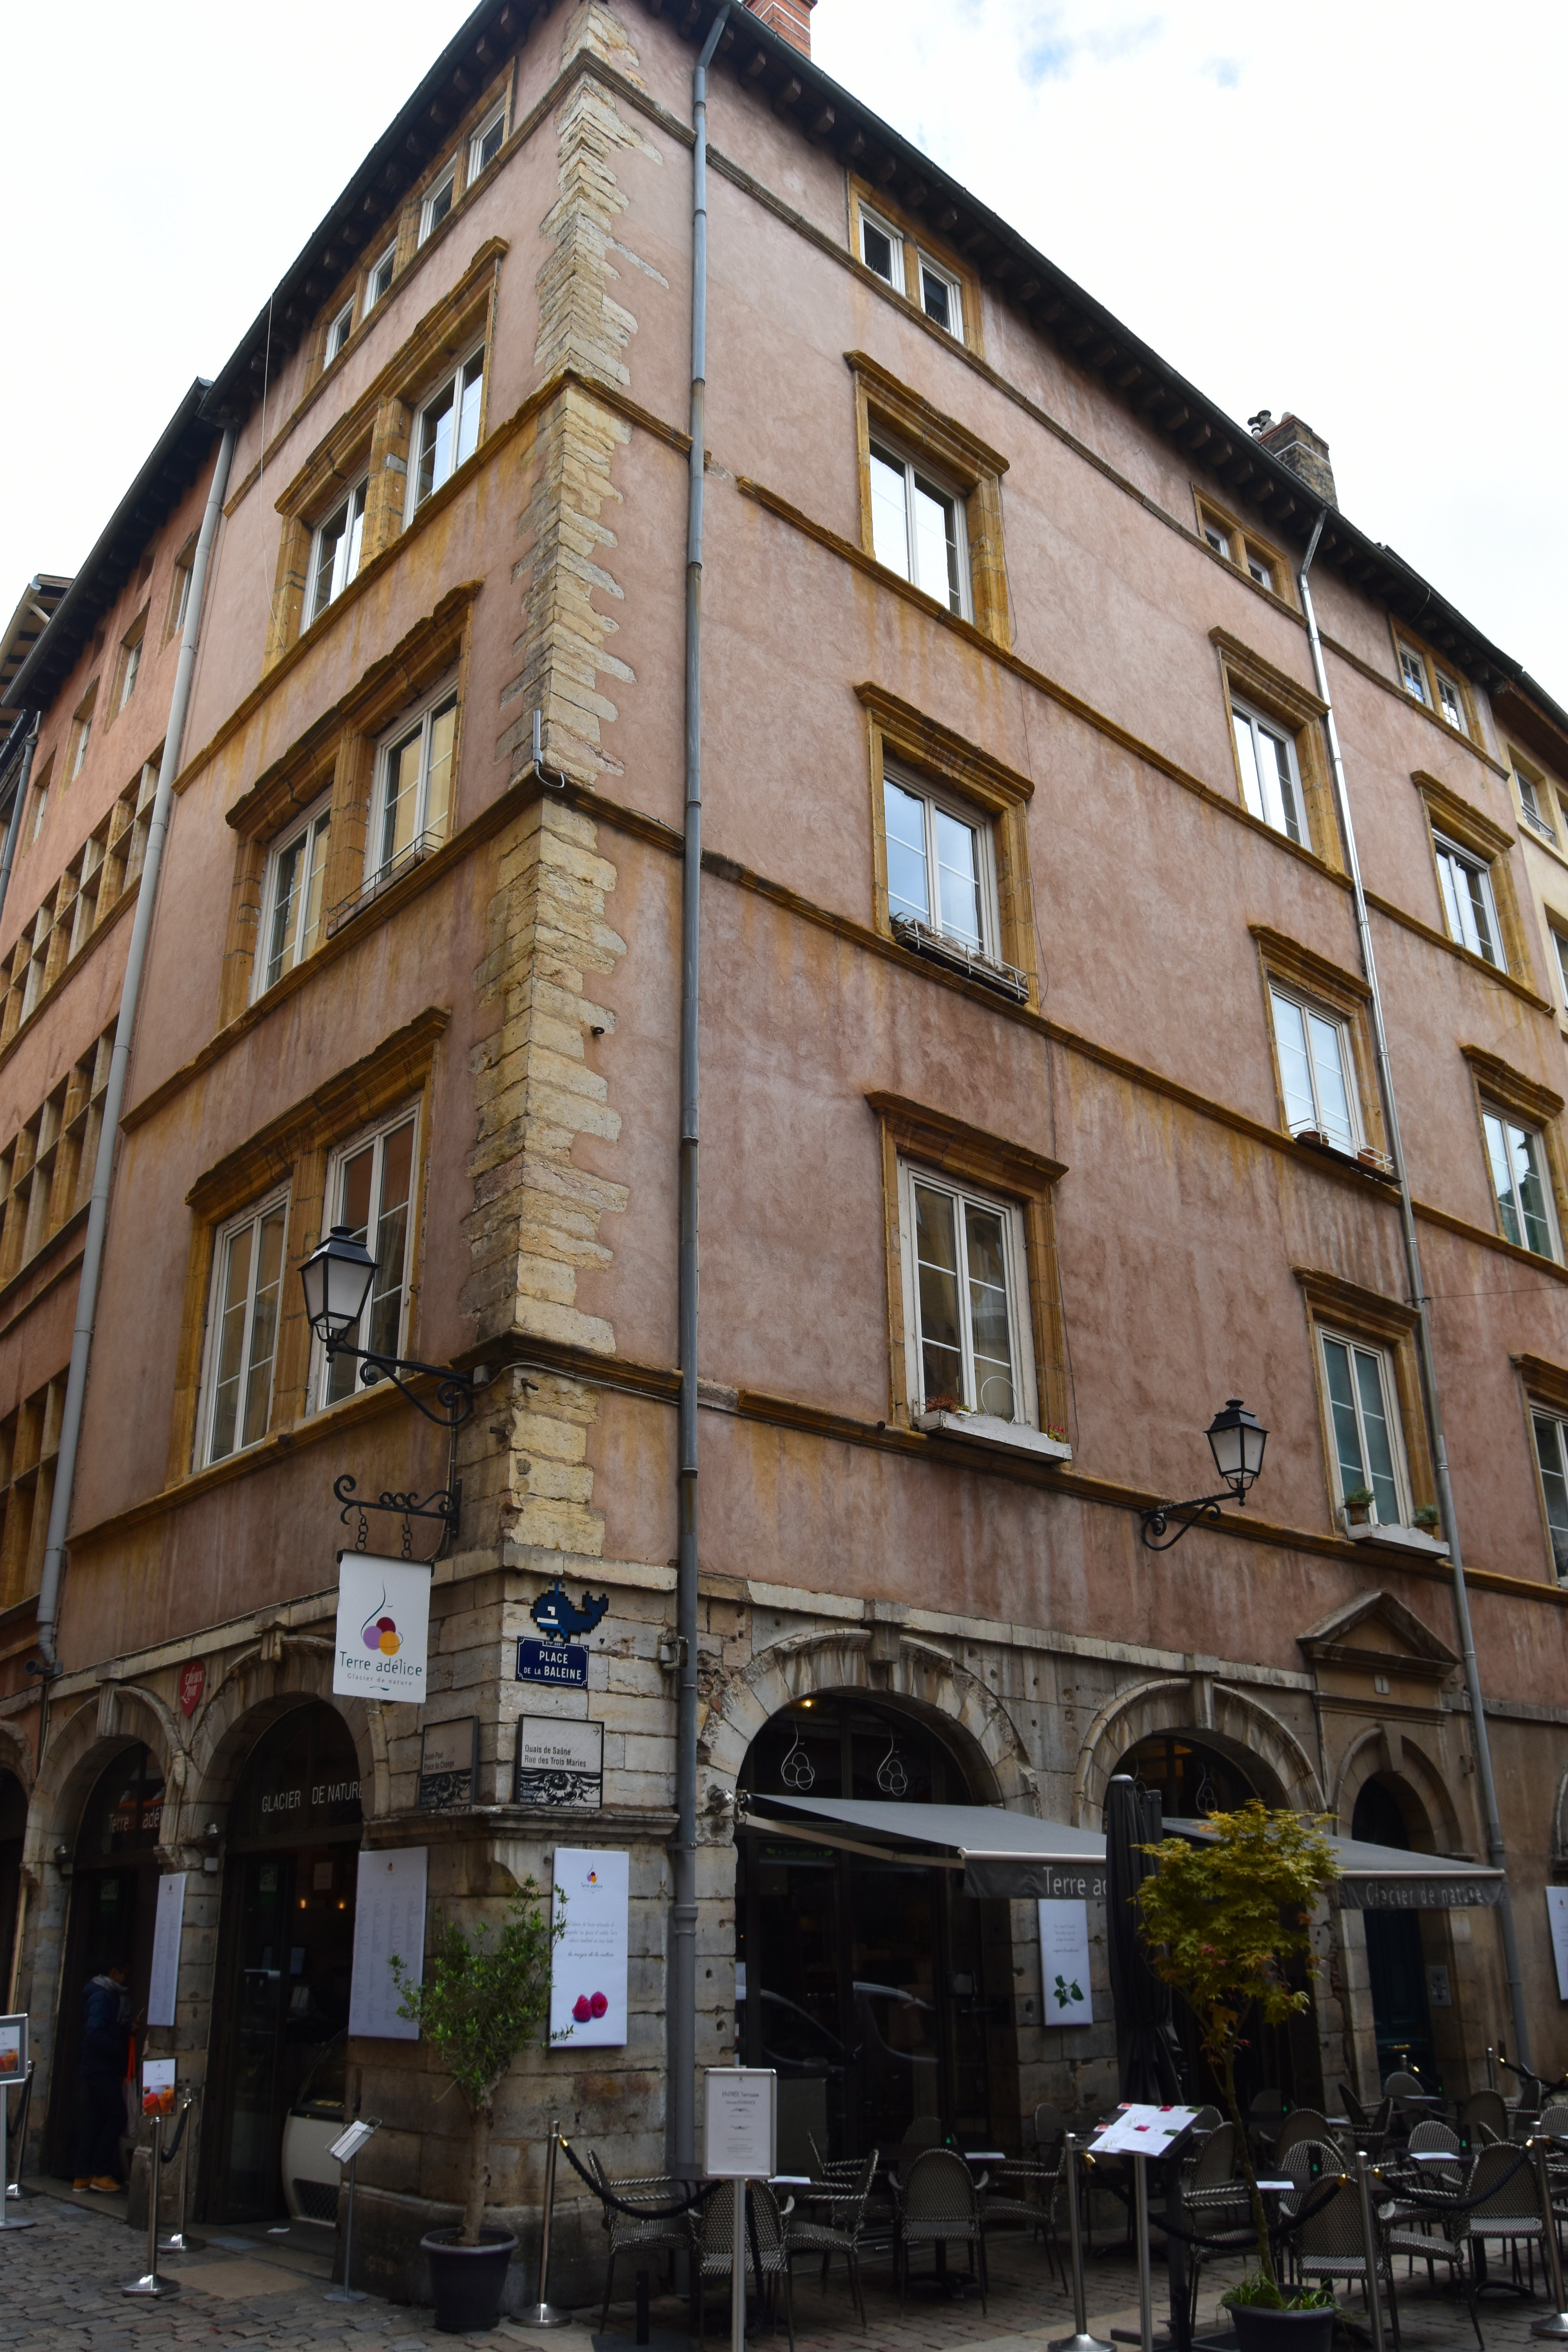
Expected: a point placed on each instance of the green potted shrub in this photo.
(484, 1999)
(1221, 1918)
(1359, 1501)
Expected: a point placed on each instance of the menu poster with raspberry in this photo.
(588, 1972)
(384, 1628)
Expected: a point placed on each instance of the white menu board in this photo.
(13, 2048)
(384, 1628)
(163, 1988)
(1064, 1962)
(588, 1970)
(741, 2124)
(1557, 1913)
(1141, 2130)
(389, 1917)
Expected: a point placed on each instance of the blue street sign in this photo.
(552, 1662)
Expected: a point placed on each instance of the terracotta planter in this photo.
(467, 2280)
(1258, 2329)
(1358, 1514)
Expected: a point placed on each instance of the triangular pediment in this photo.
(1376, 1630)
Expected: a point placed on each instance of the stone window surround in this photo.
(1210, 510)
(913, 1132)
(1302, 971)
(1247, 677)
(1489, 843)
(929, 750)
(296, 1149)
(1433, 661)
(1499, 1087)
(375, 430)
(974, 469)
(915, 237)
(1542, 1386)
(1350, 1312)
(338, 755)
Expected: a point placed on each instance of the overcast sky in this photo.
(1352, 211)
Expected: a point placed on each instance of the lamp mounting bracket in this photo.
(1190, 1515)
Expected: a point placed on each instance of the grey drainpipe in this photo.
(115, 1094)
(13, 825)
(1496, 1852)
(680, 2030)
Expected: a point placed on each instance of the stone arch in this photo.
(258, 1691)
(17, 1757)
(919, 1676)
(1240, 1727)
(82, 1747)
(1402, 1761)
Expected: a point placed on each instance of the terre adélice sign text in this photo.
(384, 1628)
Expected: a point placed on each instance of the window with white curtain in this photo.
(1270, 776)
(1317, 1071)
(1516, 1156)
(917, 527)
(1469, 906)
(1364, 1417)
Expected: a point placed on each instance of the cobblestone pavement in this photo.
(60, 2280)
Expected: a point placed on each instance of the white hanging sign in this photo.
(389, 1918)
(1064, 1962)
(384, 1628)
(589, 1969)
(163, 1988)
(1557, 1913)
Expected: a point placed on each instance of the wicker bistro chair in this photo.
(1511, 2212)
(665, 2236)
(938, 2203)
(1213, 2202)
(844, 2203)
(1301, 2123)
(1330, 2243)
(1483, 2118)
(1024, 2191)
(716, 2242)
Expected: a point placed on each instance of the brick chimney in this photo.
(790, 18)
(1305, 452)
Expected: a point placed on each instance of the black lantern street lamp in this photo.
(337, 1278)
(1237, 1439)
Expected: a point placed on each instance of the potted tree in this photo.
(483, 1999)
(1221, 1918)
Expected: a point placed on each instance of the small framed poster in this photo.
(741, 2138)
(1064, 1962)
(158, 2086)
(588, 1966)
(13, 2049)
(449, 1764)
(560, 1762)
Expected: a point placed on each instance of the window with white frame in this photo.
(1551, 1460)
(1535, 799)
(130, 664)
(81, 734)
(882, 248)
(917, 527)
(413, 787)
(335, 557)
(370, 1188)
(1317, 1071)
(1413, 671)
(941, 297)
(438, 202)
(940, 864)
(339, 331)
(380, 276)
(966, 1300)
(447, 430)
(486, 143)
(1429, 684)
(180, 590)
(1450, 701)
(1516, 1156)
(908, 269)
(1270, 775)
(242, 1329)
(1364, 1417)
(291, 899)
(1468, 901)
(1560, 949)
(1227, 539)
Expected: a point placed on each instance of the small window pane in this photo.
(904, 815)
(339, 331)
(439, 781)
(876, 249)
(989, 1321)
(468, 418)
(391, 1239)
(1560, 942)
(936, 545)
(1413, 669)
(435, 442)
(1328, 1076)
(285, 908)
(958, 877)
(1379, 1444)
(936, 1261)
(264, 1326)
(381, 276)
(890, 514)
(1247, 752)
(1549, 1450)
(1295, 1068)
(438, 206)
(1453, 707)
(231, 1342)
(1342, 1413)
(402, 795)
(487, 146)
(938, 300)
(1259, 570)
(1217, 540)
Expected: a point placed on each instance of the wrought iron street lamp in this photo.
(1237, 1439)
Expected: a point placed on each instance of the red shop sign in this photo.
(192, 1681)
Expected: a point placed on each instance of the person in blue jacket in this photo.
(101, 2079)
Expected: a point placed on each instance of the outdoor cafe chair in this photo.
(1370, 2126)
(1403, 2085)
(1423, 2235)
(1310, 2163)
(1330, 2242)
(1050, 2130)
(661, 2236)
(1301, 2123)
(1484, 2117)
(939, 2204)
(840, 2234)
(1024, 2190)
(716, 2241)
(1509, 2213)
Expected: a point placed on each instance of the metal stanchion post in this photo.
(1081, 2340)
(7, 2219)
(347, 2292)
(738, 2272)
(545, 2313)
(1369, 2243)
(1492, 2068)
(1556, 2322)
(150, 2283)
(176, 2242)
(1145, 2283)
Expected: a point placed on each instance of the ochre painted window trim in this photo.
(912, 1132)
(993, 790)
(375, 430)
(1208, 509)
(1498, 1086)
(1541, 1385)
(914, 234)
(1344, 1308)
(1447, 813)
(1346, 994)
(974, 469)
(1247, 677)
(294, 1149)
(1433, 661)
